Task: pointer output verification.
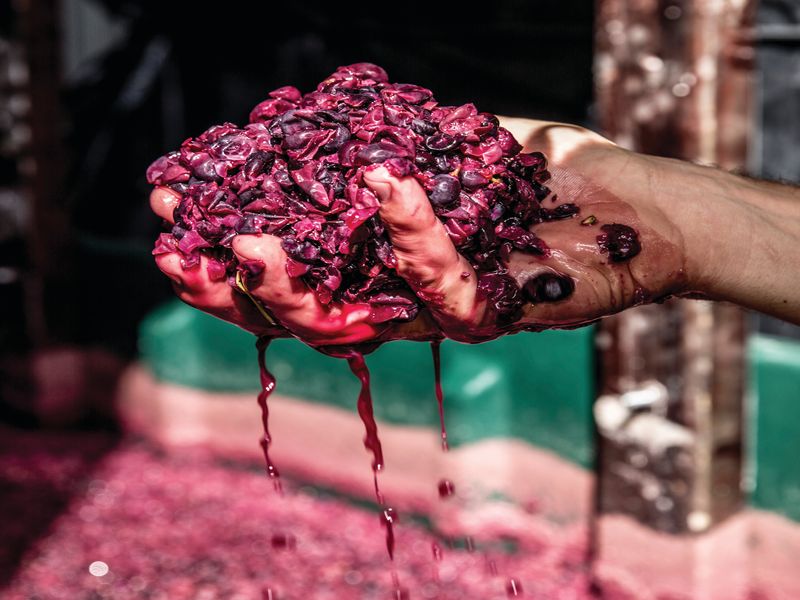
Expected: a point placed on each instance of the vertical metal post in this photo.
(673, 78)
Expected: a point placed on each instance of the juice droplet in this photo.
(372, 442)
(437, 551)
(492, 566)
(378, 495)
(388, 519)
(267, 387)
(398, 592)
(437, 374)
(446, 488)
(513, 588)
(282, 541)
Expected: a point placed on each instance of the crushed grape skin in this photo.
(182, 525)
(620, 242)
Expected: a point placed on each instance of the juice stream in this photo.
(267, 387)
(437, 374)
(372, 443)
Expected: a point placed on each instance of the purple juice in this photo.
(267, 387)
(437, 375)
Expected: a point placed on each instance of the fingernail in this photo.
(378, 182)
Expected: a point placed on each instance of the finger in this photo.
(196, 288)
(282, 293)
(170, 265)
(426, 258)
(163, 202)
(194, 285)
(296, 306)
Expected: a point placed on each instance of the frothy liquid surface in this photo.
(183, 525)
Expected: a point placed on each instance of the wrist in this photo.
(697, 202)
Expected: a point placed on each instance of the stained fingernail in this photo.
(548, 287)
(247, 247)
(378, 181)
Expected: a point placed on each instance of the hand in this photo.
(705, 232)
(609, 184)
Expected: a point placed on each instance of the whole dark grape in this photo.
(446, 189)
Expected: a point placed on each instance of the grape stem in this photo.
(261, 309)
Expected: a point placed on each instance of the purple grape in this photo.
(562, 211)
(445, 191)
(340, 137)
(305, 251)
(528, 165)
(619, 241)
(472, 179)
(205, 170)
(423, 127)
(548, 287)
(440, 142)
(257, 162)
(380, 152)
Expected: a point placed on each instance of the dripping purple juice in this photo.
(267, 387)
(437, 376)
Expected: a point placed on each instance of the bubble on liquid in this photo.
(681, 90)
(437, 551)
(98, 568)
(353, 577)
(513, 588)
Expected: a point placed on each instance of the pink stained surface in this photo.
(185, 525)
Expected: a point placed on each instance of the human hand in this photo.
(579, 280)
(705, 232)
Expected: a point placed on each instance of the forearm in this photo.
(742, 236)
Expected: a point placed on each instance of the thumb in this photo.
(426, 258)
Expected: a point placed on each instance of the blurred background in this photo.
(651, 456)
